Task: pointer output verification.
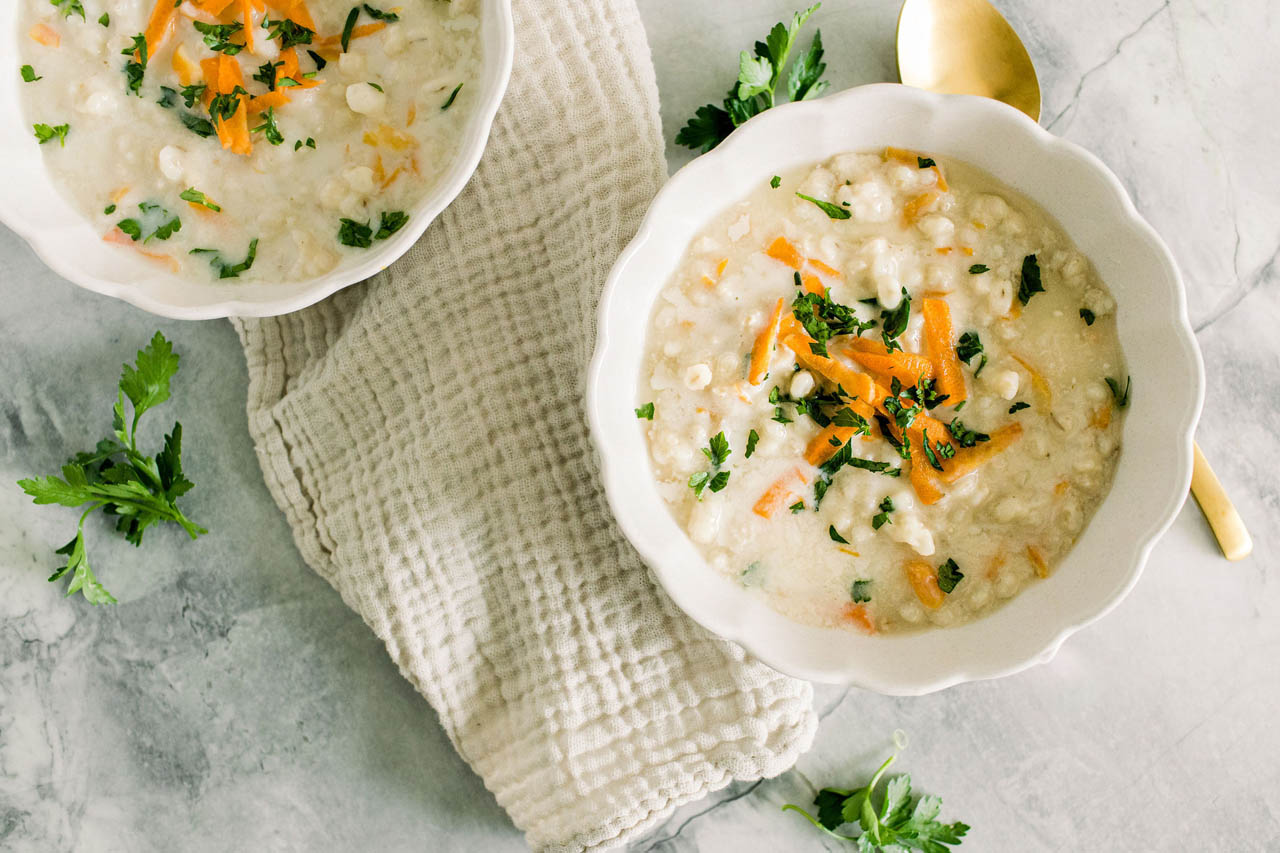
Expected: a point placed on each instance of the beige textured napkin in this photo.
(424, 433)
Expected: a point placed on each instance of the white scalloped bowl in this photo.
(66, 241)
(1154, 470)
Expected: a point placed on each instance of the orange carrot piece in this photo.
(1038, 383)
(907, 367)
(119, 194)
(1061, 487)
(1101, 418)
(924, 583)
(969, 459)
(413, 114)
(158, 27)
(825, 269)
(782, 250)
(780, 494)
(937, 338)
(118, 238)
(943, 250)
(1038, 561)
(924, 477)
(821, 449)
(183, 66)
(213, 7)
(902, 155)
(916, 207)
(968, 250)
(209, 68)
(870, 345)
(278, 98)
(763, 347)
(841, 374)
(812, 284)
(246, 12)
(859, 616)
(297, 12)
(724, 262)
(359, 32)
(46, 35)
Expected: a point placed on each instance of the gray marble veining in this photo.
(231, 702)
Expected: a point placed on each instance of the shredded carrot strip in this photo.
(839, 373)
(915, 208)
(1038, 561)
(994, 566)
(782, 250)
(158, 27)
(412, 114)
(780, 494)
(825, 269)
(1038, 383)
(969, 459)
(119, 194)
(359, 32)
(857, 615)
(45, 35)
(183, 66)
(118, 238)
(908, 368)
(391, 179)
(1101, 418)
(213, 7)
(937, 337)
(924, 583)
(278, 98)
(821, 449)
(813, 284)
(246, 11)
(943, 250)
(763, 346)
(1061, 487)
(968, 250)
(924, 478)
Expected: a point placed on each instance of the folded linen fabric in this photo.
(424, 434)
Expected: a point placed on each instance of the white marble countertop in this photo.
(231, 702)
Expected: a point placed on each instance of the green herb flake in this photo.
(1018, 407)
(290, 34)
(717, 450)
(1029, 283)
(949, 575)
(197, 125)
(964, 436)
(1087, 316)
(978, 269)
(135, 69)
(355, 234)
(452, 97)
(67, 8)
(108, 210)
(834, 211)
(134, 490)
(350, 25)
(269, 129)
(797, 507)
(226, 270)
(752, 438)
(45, 132)
(194, 196)
(882, 518)
(105, 19)
(379, 15)
(645, 412)
(835, 535)
(217, 37)
(860, 591)
(775, 181)
(969, 347)
(375, 86)
(29, 74)
(1121, 397)
(926, 162)
(390, 222)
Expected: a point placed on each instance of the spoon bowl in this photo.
(965, 47)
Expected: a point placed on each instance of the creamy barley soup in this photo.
(884, 392)
(260, 140)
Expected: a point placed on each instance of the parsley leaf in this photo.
(964, 436)
(290, 34)
(755, 89)
(136, 67)
(860, 591)
(452, 95)
(796, 507)
(67, 8)
(269, 128)
(44, 133)
(1121, 398)
(29, 74)
(1087, 316)
(775, 181)
(226, 270)
(835, 535)
(355, 234)
(197, 125)
(894, 320)
(105, 19)
(348, 27)
(882, 518)
(137, 490)
(716, 451)
(194, 196)
(1018, 407)
(834, 211)
(978, 269)
(645, 412)
(895, 827)
(1029, 284)
(390, 222)
(926, 162)
(752, 438)
(379, 15)
(968, 347)
(217, 37)
(949, 575)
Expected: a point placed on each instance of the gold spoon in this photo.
(966, 47)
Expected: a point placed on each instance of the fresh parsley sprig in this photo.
(755, 90)
(117, 478)
(717, 452)
(896, 826)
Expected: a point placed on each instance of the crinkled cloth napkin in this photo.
(424, 433)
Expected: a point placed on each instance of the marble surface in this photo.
(231, 702)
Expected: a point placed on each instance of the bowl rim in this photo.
(623, 502)
(497, 37)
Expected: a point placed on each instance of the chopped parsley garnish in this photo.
(197, 125)
(752, 438)
(949, 575)
(755, 89)
(824, 318)
(834, 211)
(192, 93)
(131, 227)
(929, 452)
(45, 132)
(645, 412)
(166, 224)
(226, 270)
(819, 491)
(67, 8)
(29, 74)
(717, 452)
(964, 436)
(844, 456)
(105, 19)
(448, 102)
(978, 269)
(775, 181)
(923, 392)
(355, 234)
(168, 97)
(894, 321)
(224, 105)
(903, 416)
(217, 37)
(881, 518)
(266, 75)
(319, 60)
(968, 347)
(797, 507)
(926, 162)
(269, 128)
(348, 27)
(835, 535)
(390, 222)
(108, 210)
(849, 418)
(1018, 407)
(1029, 284)
(374, 85)
(136, 67)
(310, 143)
(1121, 398)
(860, 591)
(379, 15)
(194, 196)
(289, 33)
(1087, 316)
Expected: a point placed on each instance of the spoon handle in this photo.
(1218, 510)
